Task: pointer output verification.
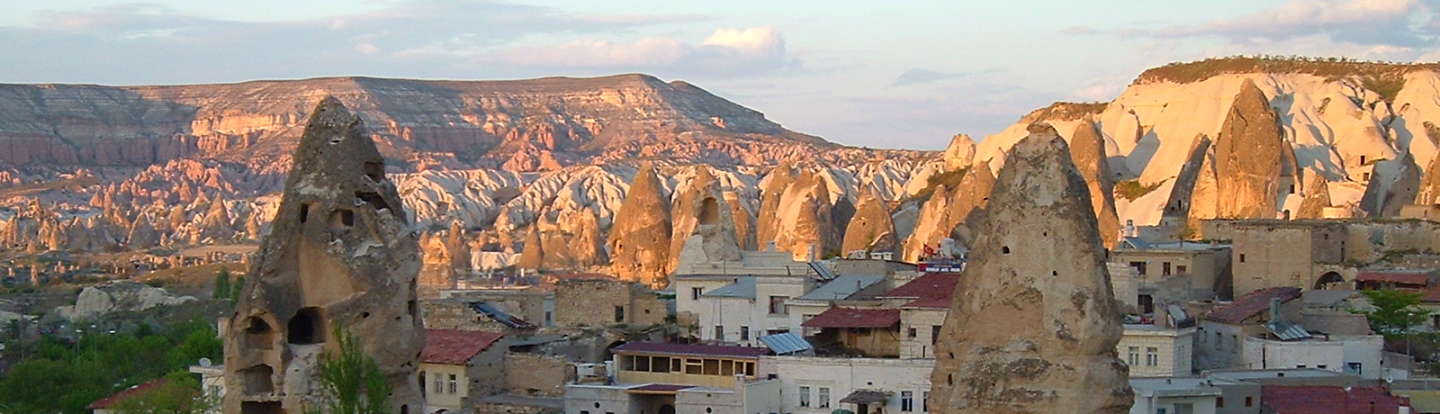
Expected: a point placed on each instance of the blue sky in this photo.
(905, 74)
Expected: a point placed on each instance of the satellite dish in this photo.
(205, 362)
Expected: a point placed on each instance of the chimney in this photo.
(1275, 310)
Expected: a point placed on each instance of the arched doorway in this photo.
(667, 409)
(1330, 280)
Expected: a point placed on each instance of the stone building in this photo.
(340, 253)
(1221, 334)
(605, 301)
(1280, 253)
(1204, 267)
(458, 367)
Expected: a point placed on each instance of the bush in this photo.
(1132, 189)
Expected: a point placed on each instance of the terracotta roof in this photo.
(930, 290)
(1328, 399)
(1252, 304)
(455, 347)
(854, 318)
(1407, 277)
(107, 402)
(691, 349)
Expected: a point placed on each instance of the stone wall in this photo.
(455, 314)
(605, 302)
(536, 374)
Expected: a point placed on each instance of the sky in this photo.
(896, 74)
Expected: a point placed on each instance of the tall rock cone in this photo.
(1087, 150)
(765, 224)
(1183, 197)
(700, 209)
(532, 256)
(960, 153)
(1429, 193)
(1317, 198)
(930, 227)
(803, 222)
(341, 254)
(1249, 157)
(640, 236)
(1033, 326)
(948, 209)
(871, 229)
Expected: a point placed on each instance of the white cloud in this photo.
(725, 52)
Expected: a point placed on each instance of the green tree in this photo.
(238, 287)
(351, 380)
(181, 394)
(1392, 312)
(222, 285)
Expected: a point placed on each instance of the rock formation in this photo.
(341, 253)
(699, 209)
(1429, 193)
(1249, 155)
(1393, 184)
(1193, 190)
(779, 179)
(960, 153)
(1317, 198)
(640, 237)
(532, 256)
(803, 224)
(871, 229)
(1087, 150)
(948, 209)
(118, 296)
(1034, 325)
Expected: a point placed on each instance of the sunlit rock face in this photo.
(341, 252)
(1034, 325)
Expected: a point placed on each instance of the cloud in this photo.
(127, 43)
(1392, 23)
(725, 52)
(921, 75)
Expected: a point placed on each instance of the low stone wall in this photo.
(535, 374)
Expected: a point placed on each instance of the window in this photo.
(659, 364)
(1181, 269)
(695, 292)
(777, 305)
(712, 367)
(907, 401)
(1353, 368)
(1249, 401)
(1162, 411)
(912, 332)
(925, 402)
(439, 385)
(1152, 356)
(1219, 402)
(824, 397)
(692, 366)
(453, 385)
(642, 363)
(744, 333)
(1139, 268)
(934, 334)
(1134, 356)
(1165, 269)
(727, 367)
(619, 314)
(584, 412)
(719, 333)
(804, 396)
(1242, 257)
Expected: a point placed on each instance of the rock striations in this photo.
(1034, 325)
(640, 236)
(341, 253)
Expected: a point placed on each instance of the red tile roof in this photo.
(690, 349)
(1252, 304)
(1406, 277)
(931, 290)
(854, 318)
(455, 347)
(107, 402)
(1328, 399)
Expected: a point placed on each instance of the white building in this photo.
(1175, 396)
(819, 385)
(1157, 351)
(1355, 355)
(740, 309)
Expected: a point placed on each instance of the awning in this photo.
(866, 397)
(785, 343)
(854, 318)
(661, 389)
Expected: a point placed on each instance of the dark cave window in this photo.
(307, 327)
(375, 170)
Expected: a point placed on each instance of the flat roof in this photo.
(691, 350)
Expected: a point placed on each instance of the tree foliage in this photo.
(60, 376)
(1392, 312)
(181, 394)
(222, 285)
(351, 380)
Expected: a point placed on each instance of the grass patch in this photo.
(1384, 78)
(950, 179)
(1132, 189)
(1065, 111)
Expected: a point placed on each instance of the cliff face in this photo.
(1033, 326)
(520, 125)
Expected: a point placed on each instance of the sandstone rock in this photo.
(871, 229)
(1429, 193)
(639, 239)
(960, 153)
(803, 223)
(341, 252)
(1087, 150)
(1034, 325)
(533, 255)
(1393, 184)
(1249, 155)
(948, 209)
(780, 179)
(1182, 199)
(1317, 198)
(699, 209)
(118, 296)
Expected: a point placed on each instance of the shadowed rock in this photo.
(871, 229)
(341, 253)
(1250, 155)
(1033, 326)
(1087, 150)
(640, 238)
